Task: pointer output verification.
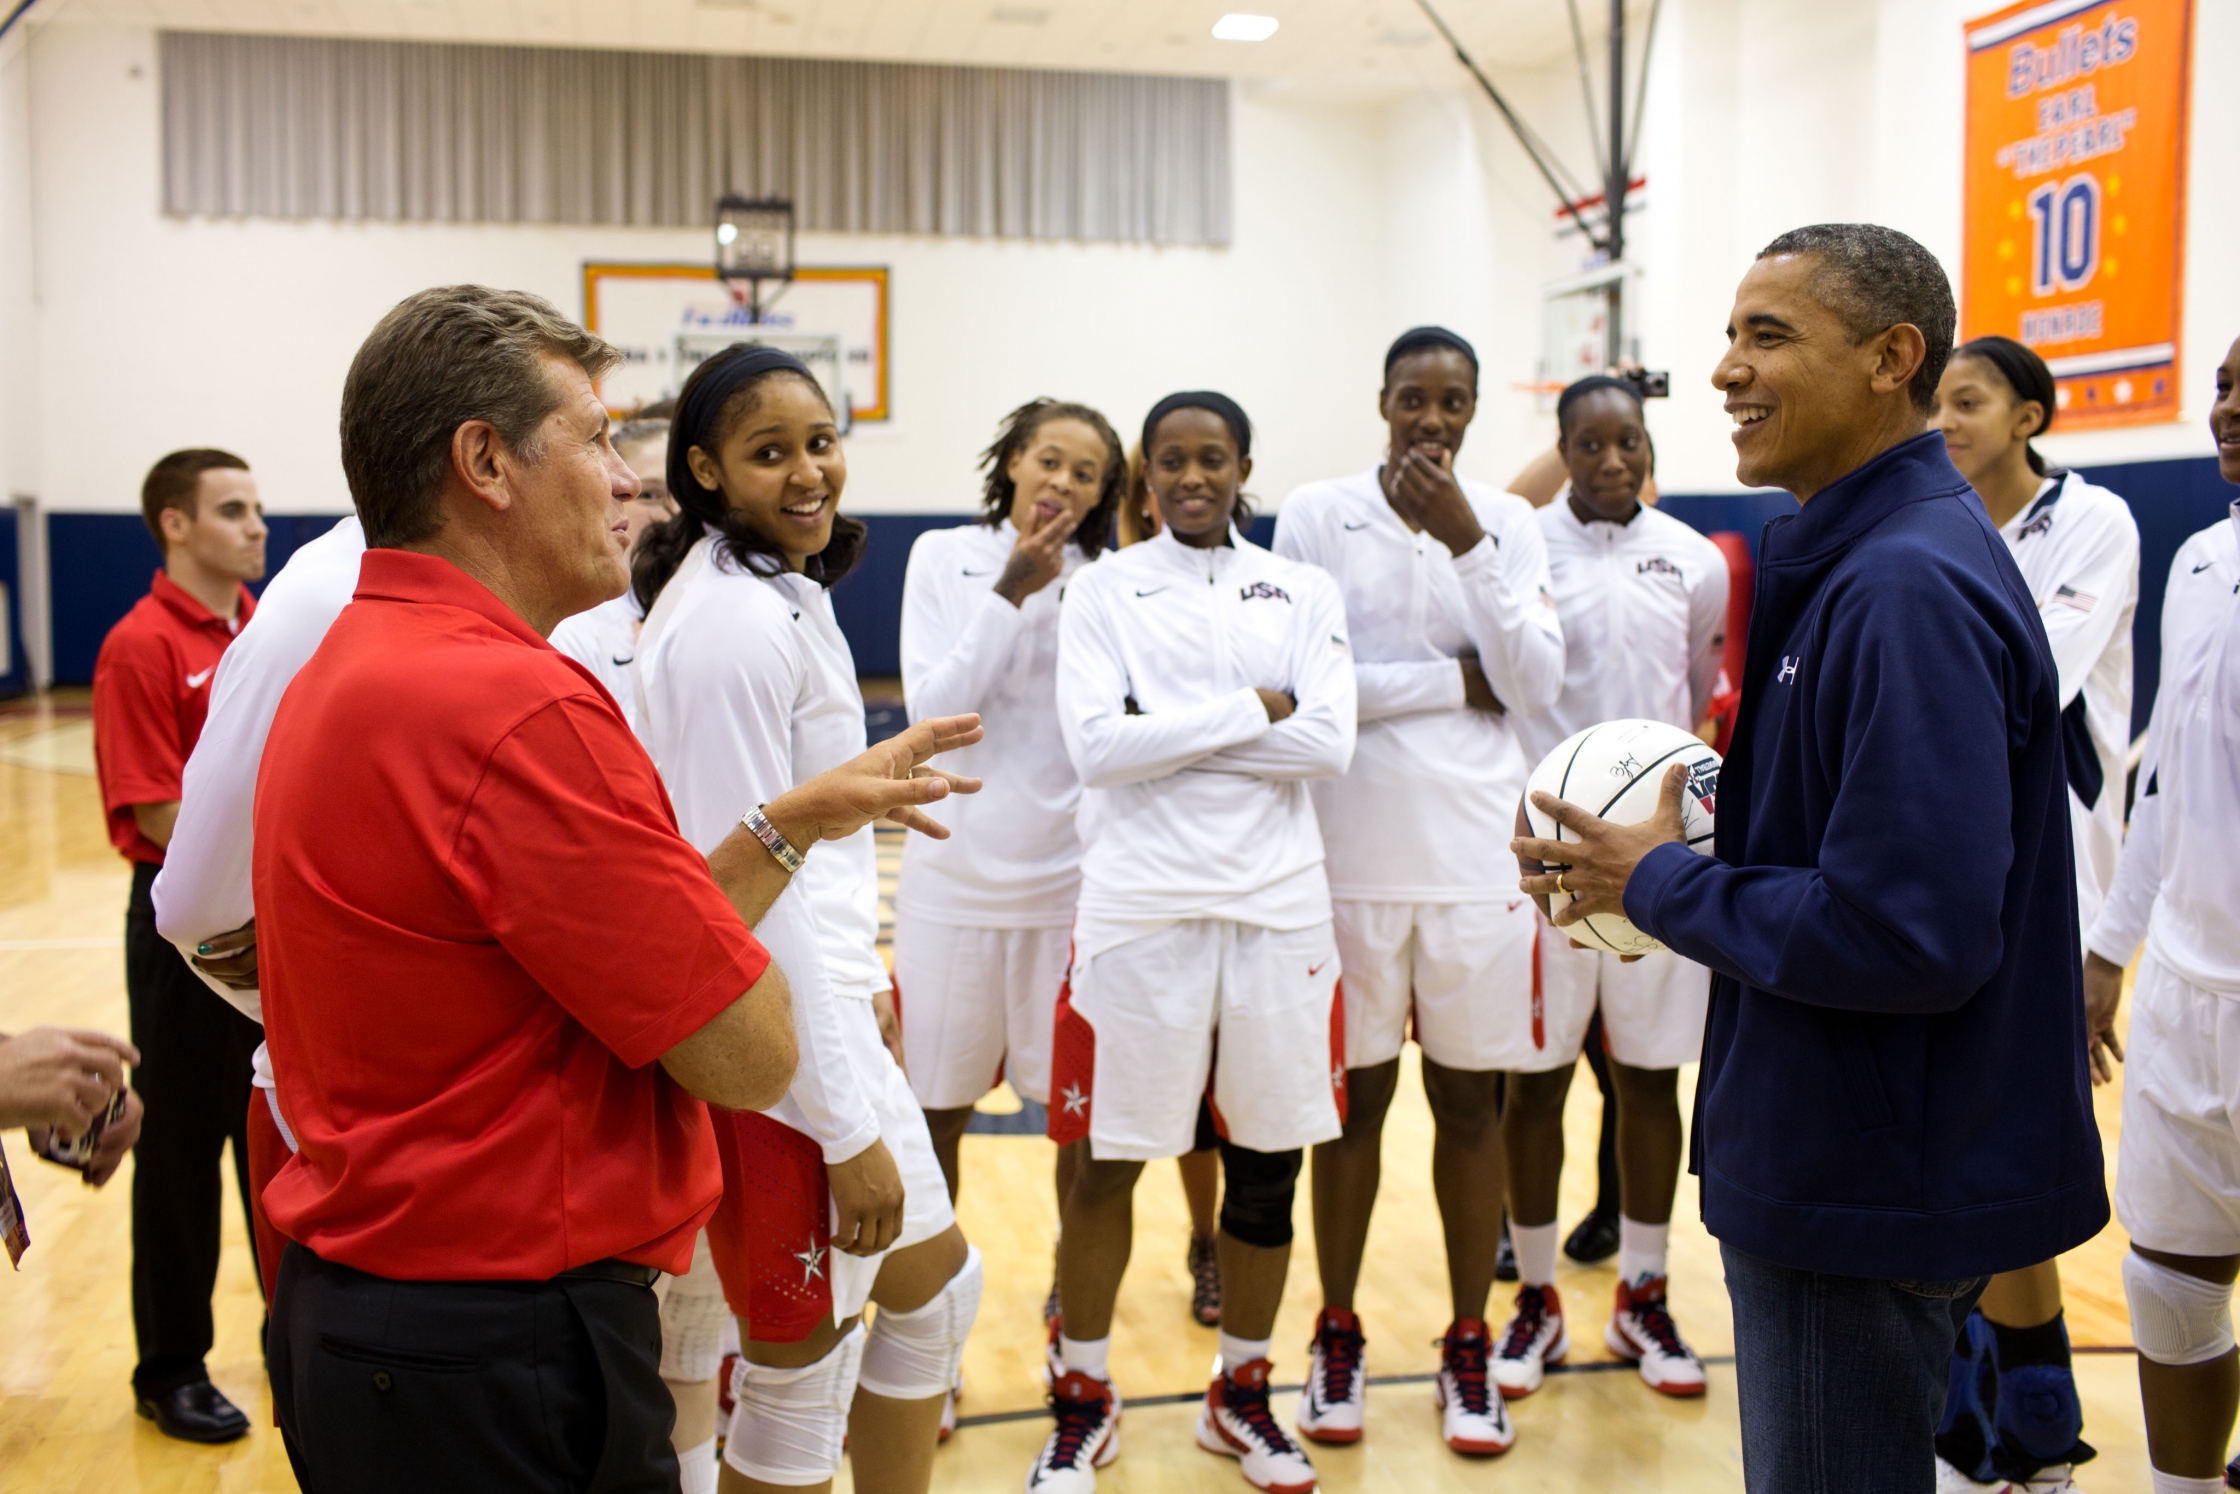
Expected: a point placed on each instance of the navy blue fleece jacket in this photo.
(1893, 1078)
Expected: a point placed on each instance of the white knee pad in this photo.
(2176, 1318)
(913, 1355)
(790, 1424)
(693, 1316)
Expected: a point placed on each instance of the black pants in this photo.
(423, 1387)
(194, 1080)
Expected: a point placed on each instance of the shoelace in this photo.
(1205, 1274)
(1466, 1361)
(1250, 1406)
(1532, 1316)
(1657, 1324)
(1077, 1423)
(1341, 1357)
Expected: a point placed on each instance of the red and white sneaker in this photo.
(1331, 1402)
(1086, 1438)
(1534, 1339)
(1237, 1424)
(1642, 1330)
(1053, 1362)
(1475, 1418)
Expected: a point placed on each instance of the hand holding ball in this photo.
(1595, 806)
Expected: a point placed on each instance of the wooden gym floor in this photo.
(66, 1351)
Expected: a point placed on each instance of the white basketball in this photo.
(1616, 771)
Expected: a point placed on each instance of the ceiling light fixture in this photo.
(1239, 27)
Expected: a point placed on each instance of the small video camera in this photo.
(77, 1152)
(1649, 383)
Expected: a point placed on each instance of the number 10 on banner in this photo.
(2064, 234)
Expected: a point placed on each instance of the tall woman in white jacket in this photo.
(983, 920)
(1202, 681)
(746, 687)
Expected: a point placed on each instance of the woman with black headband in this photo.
(1643, 602)
(2077, 547)
(1202, 681)
(1446, 594)
(746, 686)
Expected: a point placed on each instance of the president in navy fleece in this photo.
(1893, 1103)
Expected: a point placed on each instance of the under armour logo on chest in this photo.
(1788, 669)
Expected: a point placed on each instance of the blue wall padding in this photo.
(101, 562)
(15, 675)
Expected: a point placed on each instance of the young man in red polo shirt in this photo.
(151, 687)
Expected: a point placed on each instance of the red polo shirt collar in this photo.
(183, 605)
(410, 576)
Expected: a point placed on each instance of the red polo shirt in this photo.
(151, 689)
(478, 930)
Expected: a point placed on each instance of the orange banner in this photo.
(2075, 235)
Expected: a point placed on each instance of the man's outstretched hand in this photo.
(887, 783)
(1596, 867)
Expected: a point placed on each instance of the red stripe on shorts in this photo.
(1073, 1070)
(771, 1237)
(1539, 997)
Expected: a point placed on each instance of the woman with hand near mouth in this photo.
(1202, 681)
(983, 920)
(1643, 600)
(746, 687)
(2077, 547)
(1455, 638)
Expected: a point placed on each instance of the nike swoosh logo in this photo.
(1357, 526)
(2197, 570)
(979, 573)
(620, 663)
(195, 681)
(1313, 970)
(1154, 591)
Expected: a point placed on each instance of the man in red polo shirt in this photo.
(495, 977)
(151, 686)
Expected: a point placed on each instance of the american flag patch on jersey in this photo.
(2069, 596)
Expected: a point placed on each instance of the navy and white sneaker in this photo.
(1086, 1438)
(1474, 1417)
(1237, 1423)
(1332, 1401)
(1534, 1339)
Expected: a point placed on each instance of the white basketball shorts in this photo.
(2178, 1164)
(1142, 1026)
(1461, 971)
(1652, 1010)
(976, 1007)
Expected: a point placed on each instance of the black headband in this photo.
(707, 393)
(1231, 413)
(1580, 389)
(1416, 339)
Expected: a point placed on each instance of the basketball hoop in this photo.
(754, 246)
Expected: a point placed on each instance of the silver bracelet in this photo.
(759, 826)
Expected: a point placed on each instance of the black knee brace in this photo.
(1256, 1193)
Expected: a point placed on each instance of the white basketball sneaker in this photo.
(1534, 1339)
(1474, 1416)
(1086, 1438)
(949, 1409)
(1330, 1404)
(1237, 1424)
(1641, 1329)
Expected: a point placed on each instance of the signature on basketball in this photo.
(1628, 766)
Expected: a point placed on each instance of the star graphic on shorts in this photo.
(812, 1262)
(1337, 1076)
(1075, 1100)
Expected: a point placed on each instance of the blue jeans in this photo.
(1841, 1378)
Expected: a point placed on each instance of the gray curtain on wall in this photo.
(302, 127)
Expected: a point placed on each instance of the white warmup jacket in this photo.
(1201, 808)
(2174, 884)
(2077, 547)
(1432, 793)
(1013, 858)
(204, 889)
(604, 640)
(747, 688)
(1644, 609)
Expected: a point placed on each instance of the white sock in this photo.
(1241, 1351)
(2172, 1483)
(698, 1465)
(1640, 1250)
(1090, 1356)
(1536, 1252)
